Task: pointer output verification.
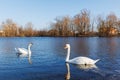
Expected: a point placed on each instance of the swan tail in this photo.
(96, 60)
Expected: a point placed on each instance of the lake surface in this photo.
(48, 59)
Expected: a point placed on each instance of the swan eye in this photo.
(65, 47)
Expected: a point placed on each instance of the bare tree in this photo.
(82, 22)
(108, 26)
(61, 26)
(111, 20)
(10, 28)
(29, 29)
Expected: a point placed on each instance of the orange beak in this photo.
(65, 47)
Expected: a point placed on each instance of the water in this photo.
(48, 59)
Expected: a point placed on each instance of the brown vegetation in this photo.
(79, 25)
(108, 26)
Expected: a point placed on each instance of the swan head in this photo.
(30, 44)
(67, 46)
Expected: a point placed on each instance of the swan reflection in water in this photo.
(67, 76)
(23, 56)
(86, 66)
(80, 66)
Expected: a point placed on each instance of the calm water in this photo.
(48, 59)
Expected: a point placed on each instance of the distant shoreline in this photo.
(61, 36)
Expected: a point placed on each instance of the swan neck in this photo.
(68, 55)
(29, 47)
(29, 54)
(29, 51)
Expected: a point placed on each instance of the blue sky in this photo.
(42, 12)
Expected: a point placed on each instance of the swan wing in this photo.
(82, 60)
(87, 66)
(22, 50)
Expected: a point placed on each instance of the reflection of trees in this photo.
(81, 46)
(106, 47)
(7, 45)
(112, 47)
(57, 46)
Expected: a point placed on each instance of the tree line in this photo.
(82, 24)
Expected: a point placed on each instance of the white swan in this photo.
(25, 52)
(78, 60)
